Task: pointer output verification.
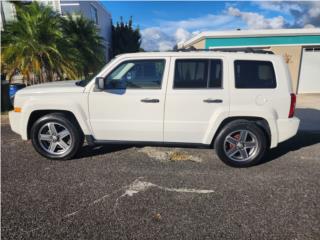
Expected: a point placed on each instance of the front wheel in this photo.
(54, 136)
(241, 144)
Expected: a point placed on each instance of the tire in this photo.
(55, 136)
(241, 144)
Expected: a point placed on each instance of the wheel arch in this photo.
(262, 123)
(37, 114)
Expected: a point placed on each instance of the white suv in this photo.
(239, 103)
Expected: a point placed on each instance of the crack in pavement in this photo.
(140, 186)
(135, 187)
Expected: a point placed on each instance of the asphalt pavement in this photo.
(125, 192)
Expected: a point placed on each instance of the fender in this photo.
(270, 116)
(76, 103)
(214, 123)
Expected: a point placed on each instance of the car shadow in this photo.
(301, 140)
(308, 134)
(309, 119)
(91, 151)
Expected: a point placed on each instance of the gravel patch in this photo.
(175, 154)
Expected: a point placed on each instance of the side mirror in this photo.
(100, 83)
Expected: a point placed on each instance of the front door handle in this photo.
(209, 100)
(149, 100)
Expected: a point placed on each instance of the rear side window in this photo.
(198, 74)
(254, 74)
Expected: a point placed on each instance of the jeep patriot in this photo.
(240, 104)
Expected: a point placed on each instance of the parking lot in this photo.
(125, 192)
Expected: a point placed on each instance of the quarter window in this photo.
(254, 74)
(198, 73)
(138, 74)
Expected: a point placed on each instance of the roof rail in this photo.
(245, 50)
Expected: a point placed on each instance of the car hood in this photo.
(53, 87)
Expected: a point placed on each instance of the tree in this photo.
(32, 44)
(83, 36)
(41, 43)
(125, 39)
(175, 47)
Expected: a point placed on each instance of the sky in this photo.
(166, 23)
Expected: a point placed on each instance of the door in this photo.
(131, 107)
(196, 95)
(309, 81)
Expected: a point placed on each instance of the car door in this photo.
(131, 107)
(196, 97)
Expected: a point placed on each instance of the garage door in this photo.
(309, 81)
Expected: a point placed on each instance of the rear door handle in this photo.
(209, 100)
(149, 100)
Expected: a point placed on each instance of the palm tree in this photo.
(34, 44)
(82, 34)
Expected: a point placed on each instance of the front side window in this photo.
(198, 74)
(254, 74)
(136, 74)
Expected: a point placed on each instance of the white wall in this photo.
(8, 12)
(309, 81)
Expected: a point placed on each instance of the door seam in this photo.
(165, 97)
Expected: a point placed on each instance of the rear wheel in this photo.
(54, 136)
(241, 144)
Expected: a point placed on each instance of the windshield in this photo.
(85, 81)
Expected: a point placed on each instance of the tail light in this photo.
(292, 105)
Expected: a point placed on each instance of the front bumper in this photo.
(287, 128)
(15, 123)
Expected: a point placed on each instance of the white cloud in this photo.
(278, 6)
(165, 45)
(156, 39)
(182, 35)
(309, 26)
(255, 20)
(297, 14)
(170, 33)
(204, 22)
(310, 15)
(314, 12)
(303, 13)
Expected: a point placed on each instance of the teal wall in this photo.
(261, 41)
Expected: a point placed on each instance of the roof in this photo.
(251, 33)
(196, 54)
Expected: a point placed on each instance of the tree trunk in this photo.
(28, 78)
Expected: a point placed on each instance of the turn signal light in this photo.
(17, 109)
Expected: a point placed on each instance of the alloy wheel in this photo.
(54, 138)
(241, 145)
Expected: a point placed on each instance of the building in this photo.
(8, 12)
(95, 11)
(299, 47)
(92, 10)
(54, 4)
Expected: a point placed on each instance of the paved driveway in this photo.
(124, 192)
